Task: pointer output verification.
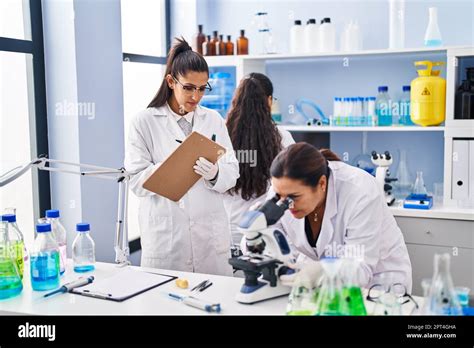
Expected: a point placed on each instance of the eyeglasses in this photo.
(190, 89)
(398, 289)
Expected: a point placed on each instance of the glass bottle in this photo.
(206, 47)
(10, 280)
(198, 39)
(16, 241)
(44, 260)
(214, 43)
(242, 43)
(83, 249)
(221, 46)
(442, 298)
(60, 235)
(229, 46)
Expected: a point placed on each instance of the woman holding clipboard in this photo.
(193, 234)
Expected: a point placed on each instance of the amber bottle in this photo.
(214, 43)
(229, 46)
(242, 43)
(198, 39)
(221, 46)
(207, 47)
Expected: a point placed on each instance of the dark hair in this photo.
(302, 161)
(181, 60)
(251, 128)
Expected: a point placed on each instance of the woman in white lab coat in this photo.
(338, 211)
(256, 140)
(193, 234)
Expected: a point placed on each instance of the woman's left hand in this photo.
(206, 169)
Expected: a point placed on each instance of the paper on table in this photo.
(123, 285)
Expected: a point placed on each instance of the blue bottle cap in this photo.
(52, 213)
(372, 98)
(366, 98)
(43, 228)
(83, 227)
(9, 217)
(406, 88)
(383, 89)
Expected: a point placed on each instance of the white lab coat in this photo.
(357, 220)
(193, 234)
(236, 206)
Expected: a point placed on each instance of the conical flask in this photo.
(329, 300)
(442, 298)
(353, 300)
(403, 185)
(432, 34)
(10, 280)
(302, 301)
(419, 187)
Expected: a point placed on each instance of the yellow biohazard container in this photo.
(428, 96)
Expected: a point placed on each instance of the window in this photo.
(145, 28)
(22, 110)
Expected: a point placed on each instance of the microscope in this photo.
(382, 173)
(267, 254)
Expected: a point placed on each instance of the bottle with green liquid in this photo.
(16, 241)
(10, 281)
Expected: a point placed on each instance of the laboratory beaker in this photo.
(10, 280)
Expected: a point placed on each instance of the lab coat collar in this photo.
(163, 111)
(327, 228)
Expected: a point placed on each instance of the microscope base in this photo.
(262, 293)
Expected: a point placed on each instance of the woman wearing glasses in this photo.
(256, 137)
(193, 234)
(337, 211)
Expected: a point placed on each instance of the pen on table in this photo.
(205, 287)
(179, 141)
(69, 286)
(200, 285)
(213, 137)
(197, 303)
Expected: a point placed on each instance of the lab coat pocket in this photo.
(221, 233)
(158, 242)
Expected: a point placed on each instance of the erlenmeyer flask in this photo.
(353, 299)
(302, 301)
(10, 280)
(419, 187)
(403, 186)
(329, 300)
(442, 298)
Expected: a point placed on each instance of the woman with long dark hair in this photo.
(256, 140)
(193, 234)
(337, 211)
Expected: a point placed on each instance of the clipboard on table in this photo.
(176, 175)
(123, 285)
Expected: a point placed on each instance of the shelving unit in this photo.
(452, 129)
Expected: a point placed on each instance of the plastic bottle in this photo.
(404, 107)
(83, 249)
(60, 235)
(44, 260)
(311, 36)
(297, 38)
(397, 24)
(10, 279)
(432, 34)
(229, 46)
(16, 242)
(383, 107)
(198, 39)
(221, 46)
(242, 43)
(327, 36)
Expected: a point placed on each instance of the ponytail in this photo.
(181, 60)
(302, 161)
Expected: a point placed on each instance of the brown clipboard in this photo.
(176, 175)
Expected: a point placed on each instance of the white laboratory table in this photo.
(152, 302)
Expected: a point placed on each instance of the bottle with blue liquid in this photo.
(383, 107)
(83, 249)
(10, 280)
(59, 233)
(432, 34)
(44, 260)
(404, 107)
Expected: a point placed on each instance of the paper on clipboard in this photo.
(123, 285)
(176, 175)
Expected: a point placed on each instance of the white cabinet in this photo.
(460, 180)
